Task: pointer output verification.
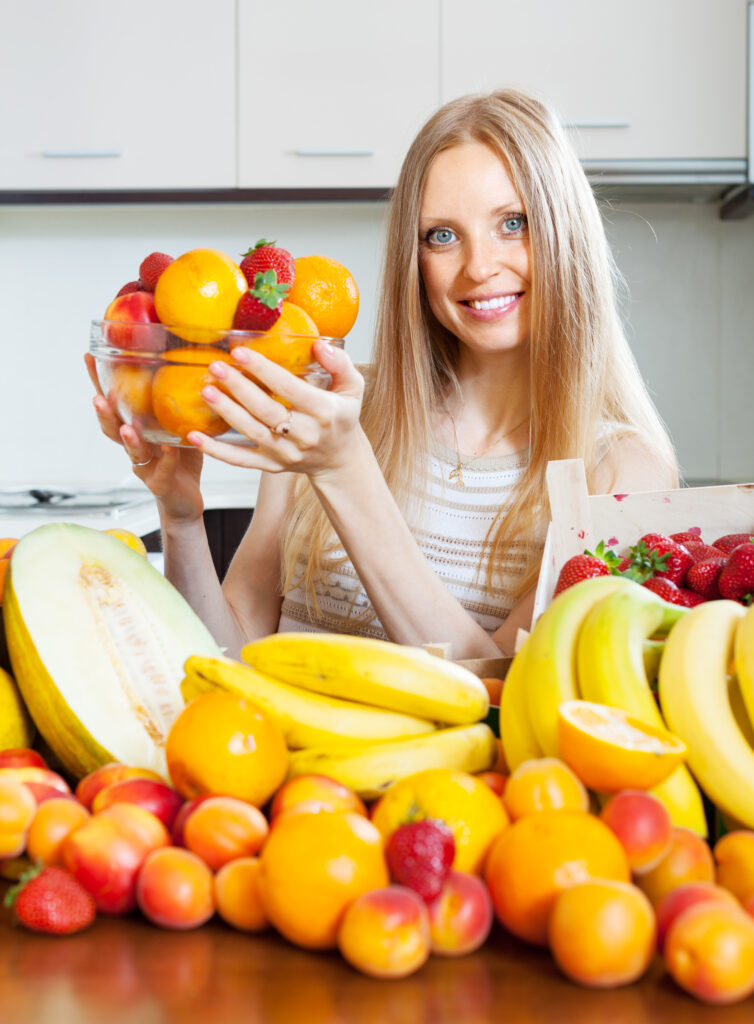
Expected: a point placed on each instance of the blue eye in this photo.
(440, 236)
(514, 223)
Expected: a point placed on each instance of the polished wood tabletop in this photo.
(126, 971)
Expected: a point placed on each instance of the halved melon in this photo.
(97, 639)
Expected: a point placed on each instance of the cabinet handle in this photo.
(597, 124)
(80, 154)
(333, 152)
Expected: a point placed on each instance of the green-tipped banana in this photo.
(516, 734)
(694, 697)
(375, 672)
(373, 769)
(306, 719)
(611, 670)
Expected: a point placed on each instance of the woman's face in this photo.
(474, 249)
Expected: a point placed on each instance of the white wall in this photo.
(690, 316)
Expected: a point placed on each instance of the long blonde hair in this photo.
(582, 371)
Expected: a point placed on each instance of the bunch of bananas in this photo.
(365, 712)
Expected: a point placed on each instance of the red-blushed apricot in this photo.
(677, 900)
(642, 824)
(223, 828)
(460, 918)
(53, 822)
(153, 795)
(17, 810)
(330, 794)
(106, 775)
(237, 895)
(175, 889)
(734, 863)
(709, 952)
(33, 775)
(18, 757)
(187, 808)
(688, 859)
(385, 932)
(495, 780)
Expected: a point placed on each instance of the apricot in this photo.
(18, 757)
(688, 859)
(31, 774)
(642, 824)
(385, 932)
(152, 794)
(543, 784)
(129, 390)
(734, 863)
(175, 889)
(495, 780)
(677, 900)
(114, 771)
(17, 810)
(53, 822)
(237, 895)
(602, 933)
(223, 828)
(709, 952)
(460, 918)
(316, 789)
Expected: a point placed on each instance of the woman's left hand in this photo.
(312, 434)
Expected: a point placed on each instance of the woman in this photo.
(418, 513)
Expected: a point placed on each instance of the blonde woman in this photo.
(409, 503)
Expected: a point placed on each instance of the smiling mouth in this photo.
(498, 302)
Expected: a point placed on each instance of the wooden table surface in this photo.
(125, 971)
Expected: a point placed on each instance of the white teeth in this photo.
(497, 303)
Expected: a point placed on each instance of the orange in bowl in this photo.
(288, 342)
(327, 291)
(200, 290)
(176, 391)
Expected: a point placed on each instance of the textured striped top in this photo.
(452, 536)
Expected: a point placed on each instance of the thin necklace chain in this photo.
(457, 473)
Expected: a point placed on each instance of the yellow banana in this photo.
(375, 672)
(694, 697)
(373, 769)
(306, 719)
(743, 654)
(551, 662)
(516, 734)
(610, 665)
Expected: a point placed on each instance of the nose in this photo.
(481, 258)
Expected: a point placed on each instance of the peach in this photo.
(41, 792)
(642, 824)
(385, 932)
(321, 789)
(237, 895)
(688, 859)
(495, 780)
(131, 308)
(175, 889)
(18, 757)
(17, 810)
(677, 900)
(460, 918)
(734, 859)
(223, 828)
(153, 795)
(709, 952)
(106, 775)
(53, 822)
(106, 853)
(33, 774)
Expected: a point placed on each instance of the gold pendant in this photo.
(457, 474)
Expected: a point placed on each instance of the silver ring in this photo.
(151, 459)
(284, 426)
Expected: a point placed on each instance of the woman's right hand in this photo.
(172, 474)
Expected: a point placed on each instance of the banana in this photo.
(694, 697)
(372, 770)
(743, 655)
(610, 666)
(516, 734)
(306, 719)
(551, 662)
(375, 672)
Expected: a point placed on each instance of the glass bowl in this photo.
(154, 376)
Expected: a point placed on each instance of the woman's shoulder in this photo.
(630, 460)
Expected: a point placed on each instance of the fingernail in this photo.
(219, 370)
(241, 354)
(194, 438)
(210, 393)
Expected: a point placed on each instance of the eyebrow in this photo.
(514, 206)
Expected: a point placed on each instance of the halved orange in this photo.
(610, 749)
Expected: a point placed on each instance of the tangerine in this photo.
(177, 392)
(289, 341)
(543, 784)
(538, 857)
(312, 867)
(326, 290)
(197, 295)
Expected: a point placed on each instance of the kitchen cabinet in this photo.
(103, 96)
(331, 94)
(654, 80)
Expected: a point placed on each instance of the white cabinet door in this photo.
(99, 95)
(638, 79)
(331, 93)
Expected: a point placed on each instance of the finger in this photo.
(109, 421)
(346, 379)
(91, 368)
(243, 456)
(254, 415)
(280, 382)
(138, 450)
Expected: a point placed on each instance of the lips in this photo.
(492, 308)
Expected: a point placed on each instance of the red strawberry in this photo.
(701, 552)
(736, 580)
(268, 256)
(687, 537)
(586, 566)
(672, 593)
(702, 577)
(732, 540)
(150, 269)
(655, 554)
(49, 899)
(128, 287)
(420, 855)
(262, 304)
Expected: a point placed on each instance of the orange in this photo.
(610, 749)
(176, 392)
(326, 290)
(543, 784)
(602, 933)
(200, 290)
(538, 857)
(467, 805)
(129, 539)
(226, 745)
(237, 895)
(289, 341)
(312, 867)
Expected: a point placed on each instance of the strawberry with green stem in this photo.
(49, 899)
(655, 554)
(260, 308)
(265, 255)
(601, 562)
